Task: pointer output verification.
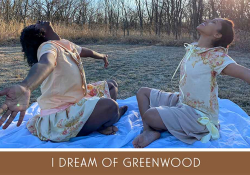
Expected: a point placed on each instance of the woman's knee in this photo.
(152, 118)
(143, 91)
(112, 87)
(113, 90)
(112, 83)
(148, 115)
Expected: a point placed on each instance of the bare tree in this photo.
(171, 17)
(125, 18)
(196, 14)
(140, 12)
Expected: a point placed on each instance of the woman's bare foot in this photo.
(123, 110)
(146, 138)
(109, 130)
(113, 129)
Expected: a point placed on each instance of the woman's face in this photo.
(211, 28)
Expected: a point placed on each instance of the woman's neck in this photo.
(53, 36)
(205, 42)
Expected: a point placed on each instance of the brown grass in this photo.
(132, 66)
(100, 34)
(10, 32)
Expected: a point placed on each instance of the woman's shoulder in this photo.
(48, 44)
(219, 55)
(219, 52)
(47, 47)
(65, 41)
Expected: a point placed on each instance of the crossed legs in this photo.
(105, 114)
(152, 122)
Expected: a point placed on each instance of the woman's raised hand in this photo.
(17, 100)
(106, 62)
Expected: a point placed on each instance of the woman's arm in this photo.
(237, 71)
(90, 53)
(39, 72)
(18, 96)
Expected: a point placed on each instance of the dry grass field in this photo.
(100, 34)
(132, 66)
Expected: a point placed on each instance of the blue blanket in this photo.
(235, 132)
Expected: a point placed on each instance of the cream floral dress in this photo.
(198, 85)
(192, 114)
(66, 101)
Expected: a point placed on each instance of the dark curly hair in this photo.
(227, 32)
(31, 38)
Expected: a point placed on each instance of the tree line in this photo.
(156, 17)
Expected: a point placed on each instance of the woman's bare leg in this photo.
(105, 114)
(143, 99)
(152, 122)
(113, 89)
(154, 125)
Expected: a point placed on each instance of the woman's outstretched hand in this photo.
(17, 100)
(106, 62)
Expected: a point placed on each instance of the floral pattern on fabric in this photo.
(198, 73)
(213, 58)
(30, 125)
(66, 124)
(197, 104)
(99, 89)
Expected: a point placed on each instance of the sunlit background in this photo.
(153, 21)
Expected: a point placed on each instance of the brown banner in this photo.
(119, 163)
